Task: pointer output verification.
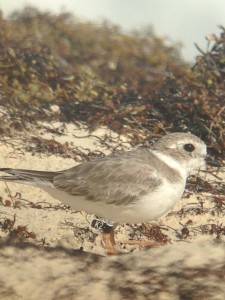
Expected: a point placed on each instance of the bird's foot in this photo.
(141, 243)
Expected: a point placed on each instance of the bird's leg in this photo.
(107, 236)
(109, 241)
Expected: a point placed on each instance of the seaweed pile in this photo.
(97, 74)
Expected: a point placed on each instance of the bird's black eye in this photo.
(189, 147)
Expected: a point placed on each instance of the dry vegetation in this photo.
(98, 74)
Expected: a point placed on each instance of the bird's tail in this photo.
(27, 176)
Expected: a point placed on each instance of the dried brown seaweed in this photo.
(128, 81)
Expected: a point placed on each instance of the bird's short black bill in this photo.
(212, 162)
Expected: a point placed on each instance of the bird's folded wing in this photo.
(119, 180)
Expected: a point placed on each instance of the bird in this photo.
(135, 186)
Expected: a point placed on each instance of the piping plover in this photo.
(129, 187)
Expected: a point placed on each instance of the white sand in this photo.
(181, 271)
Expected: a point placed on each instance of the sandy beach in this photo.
(30, 215)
